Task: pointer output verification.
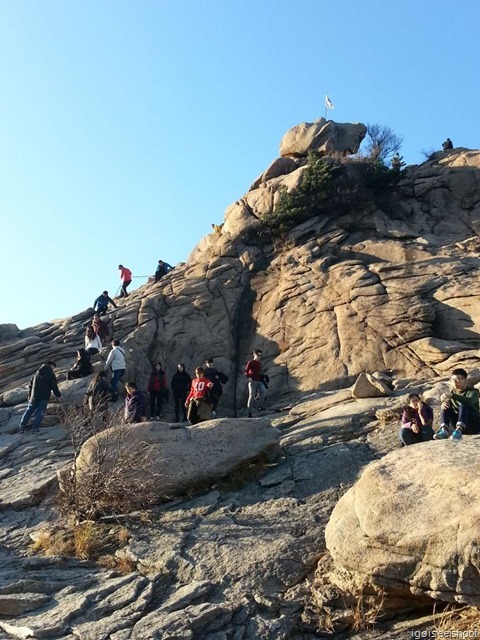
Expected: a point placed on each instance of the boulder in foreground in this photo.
(178, 458)
(410, 524)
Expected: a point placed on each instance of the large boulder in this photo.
(410, 524)
(370, 386)
(179, 458)
(322, 136)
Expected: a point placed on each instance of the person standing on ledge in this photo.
(447, 145)
(116, 362)
(126, 277)
(256, 388)
(41, 385)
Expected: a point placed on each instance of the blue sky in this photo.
(127, 127)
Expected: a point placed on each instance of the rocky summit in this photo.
(360, 293)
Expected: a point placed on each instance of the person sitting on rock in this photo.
(101, 303)
(162, 269)
(82, 367)
(101, 328)
(134, 404)
(41, 386)
(199, 402)
(181, 382)
(460, 409)
(447, 145)
(417, 420)
(99, 393)
(218, 378)
(157, 387)
(93, 344)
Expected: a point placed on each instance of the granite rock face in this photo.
(383, 288)
(410, 524)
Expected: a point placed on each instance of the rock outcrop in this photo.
(323, 136)
(389, 286)
(410, 524)
(179, 458)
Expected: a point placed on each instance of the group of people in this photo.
(101, 303)
(459, 414)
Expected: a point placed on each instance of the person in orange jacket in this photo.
(126, 277)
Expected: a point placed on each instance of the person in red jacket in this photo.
(126, 277)
(256, 388)
(199, 403)
(157, 387)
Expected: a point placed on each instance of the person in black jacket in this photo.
(41, 386)
(82, 367)
(218, 378)
(447, 145)
(99, 393)
(181, 382)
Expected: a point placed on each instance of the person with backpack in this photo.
(157, 387)
(181, 383)
(43, 382)
(126, 278)
(256, 389)
(218, 378)
(199, 401)
(116, 361)
(101, 303)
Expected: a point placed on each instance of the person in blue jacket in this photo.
(101, 303)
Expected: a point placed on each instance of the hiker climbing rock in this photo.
(126, 278)
(93, 344)
(116, 361)
(41, 386)
(101, 328)
(82, 367)
(101, 303)
(162, 269)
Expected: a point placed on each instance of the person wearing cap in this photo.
(101, 303)
(126, 278)
(41, 386)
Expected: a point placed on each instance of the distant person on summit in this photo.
(162, 269)
(126, 277)
(447, 145)
(101, 303)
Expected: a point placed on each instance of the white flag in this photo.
(328, 102)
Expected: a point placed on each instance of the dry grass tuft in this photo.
(457, 618)
(368, 610)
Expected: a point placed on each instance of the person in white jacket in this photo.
(116, 361)
(93, 344)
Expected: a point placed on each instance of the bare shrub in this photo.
(119, 478)
(428, 153)
(382, 142)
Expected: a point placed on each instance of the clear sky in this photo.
(128, 126)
